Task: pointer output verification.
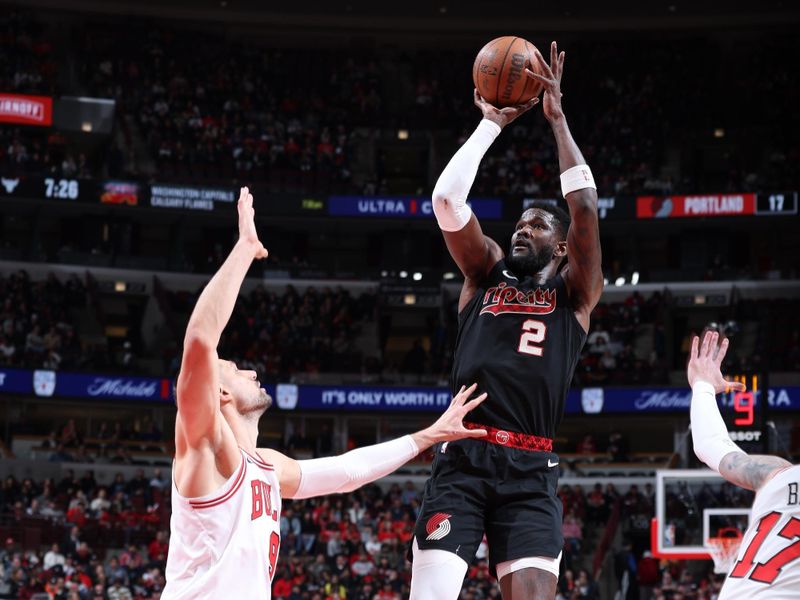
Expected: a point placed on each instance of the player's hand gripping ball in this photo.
(499, 72)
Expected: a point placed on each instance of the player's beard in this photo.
(255, 405)
(530, 262)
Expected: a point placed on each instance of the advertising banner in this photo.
(709, 205)
(289, 396)
(26, 110)
(405, 207)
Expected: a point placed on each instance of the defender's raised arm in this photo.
(198, 393)
(712, 444)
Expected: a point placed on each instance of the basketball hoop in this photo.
(724, 548)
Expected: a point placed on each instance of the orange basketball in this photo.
(499, 71)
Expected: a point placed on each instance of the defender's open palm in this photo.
(450, 426)
(705, 363)
(247, 224)
(551, 80)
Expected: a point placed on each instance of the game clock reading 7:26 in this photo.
(744, 413)
(64, 189)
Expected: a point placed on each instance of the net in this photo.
(724, 548)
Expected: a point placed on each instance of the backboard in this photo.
(691, 506)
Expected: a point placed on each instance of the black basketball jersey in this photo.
(520, 342)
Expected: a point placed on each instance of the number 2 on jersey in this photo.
(767, 571)
(533, 333)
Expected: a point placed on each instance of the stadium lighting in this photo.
(417, 276)
(86, 126)
(410, 299)
(448, 276)
(403, 274)
(620, 281)
(605, 280)
(384, 273)
(635, 278)
(719, 132)
(402, 134)
(120, 286)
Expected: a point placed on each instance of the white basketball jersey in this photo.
(225, 544)
(768, 564)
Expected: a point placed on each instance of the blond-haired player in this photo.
(768, 563)
(226, 492)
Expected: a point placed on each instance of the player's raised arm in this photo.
(198, 389)
(473, 252)
(712, 444)
(583, 274)
(347, 472)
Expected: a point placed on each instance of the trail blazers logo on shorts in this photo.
(438, 526)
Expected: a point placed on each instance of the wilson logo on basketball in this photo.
(438, 526)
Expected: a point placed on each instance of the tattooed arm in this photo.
(750, 471)
(583, 274)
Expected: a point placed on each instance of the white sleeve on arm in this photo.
(450, 194)
(709, 433)
(349, 471)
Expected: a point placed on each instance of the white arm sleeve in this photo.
(709, 433)
(450, 194)
(349, 471)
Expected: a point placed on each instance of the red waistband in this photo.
(512, 439)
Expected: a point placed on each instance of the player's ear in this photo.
(224, 396)
(560, 249)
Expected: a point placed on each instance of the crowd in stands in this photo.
(28, 65)
(27, 62)
(244, 111)
(282, 335)
(110, 541)
(304, 119)
(117, 443)
(97, 542)
(626, 343)
(279, 335)
(37, 326)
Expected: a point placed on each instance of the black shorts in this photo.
(478, 487)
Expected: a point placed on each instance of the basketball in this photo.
(499, 71)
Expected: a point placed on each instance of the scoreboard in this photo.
(745, 413)
(778, 204)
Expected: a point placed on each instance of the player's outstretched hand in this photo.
(247, 224)
(450, 426)
(551, 80)
(503, 116)
(705, 362)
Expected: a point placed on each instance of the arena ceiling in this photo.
(458, 14)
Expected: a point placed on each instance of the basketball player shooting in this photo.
(226, 492)
(768, 563)
(523, 319)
